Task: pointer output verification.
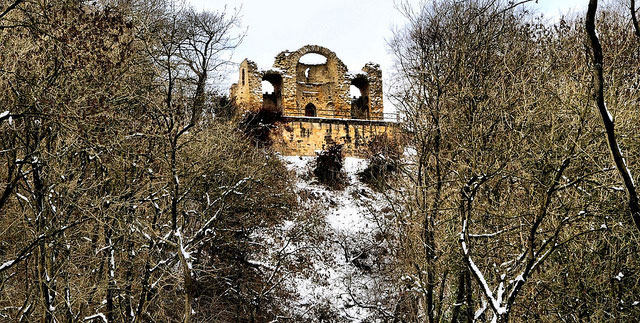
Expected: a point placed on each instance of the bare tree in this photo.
(607, 119)
(208, 36)
(117, 203)
(496, 103)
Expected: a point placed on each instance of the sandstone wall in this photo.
(303, 136)
(326, 86)
(374, 76)
(337, 118)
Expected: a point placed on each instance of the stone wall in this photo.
(326, 86)
(335, 115)
(374, 76)
(303, 136)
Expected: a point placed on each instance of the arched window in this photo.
(310, 110)
(243, 77)
(313, 59)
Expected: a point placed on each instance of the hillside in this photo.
(344, 257)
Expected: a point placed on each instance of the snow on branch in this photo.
(495, 302)
(26, 251)
(205, 227)
(96, 317)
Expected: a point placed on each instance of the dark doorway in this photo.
(310, 110)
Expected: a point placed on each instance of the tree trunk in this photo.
(634, 19)
(598, 84)
(198, 99)
(459, 297)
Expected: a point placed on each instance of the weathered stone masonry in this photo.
(315, 100)
(303, 136)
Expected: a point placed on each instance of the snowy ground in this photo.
(344, 282)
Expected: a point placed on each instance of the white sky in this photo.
(356, 30)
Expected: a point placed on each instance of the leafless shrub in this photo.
(384, 158)
(328, 166)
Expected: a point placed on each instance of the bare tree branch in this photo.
(10, 7)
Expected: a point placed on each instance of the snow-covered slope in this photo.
(345, 281)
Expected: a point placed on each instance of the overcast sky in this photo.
(356, 30)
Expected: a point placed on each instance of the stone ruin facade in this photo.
(315, 100)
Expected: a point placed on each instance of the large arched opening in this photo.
(272, 92)
(360, 105)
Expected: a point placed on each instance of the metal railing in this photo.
(333, 114)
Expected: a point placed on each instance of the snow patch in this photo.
(619, 276)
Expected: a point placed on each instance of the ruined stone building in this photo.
(315, 100)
